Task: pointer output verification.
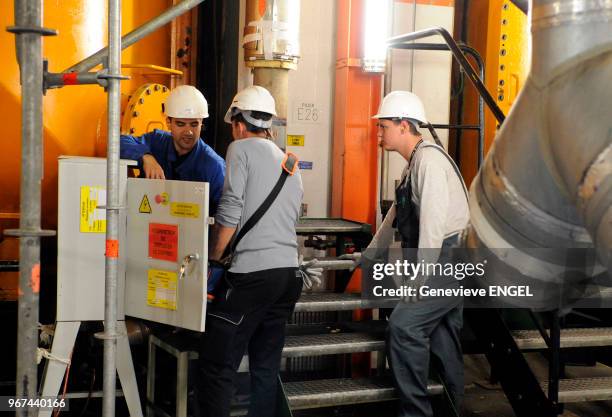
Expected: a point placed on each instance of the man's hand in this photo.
(355, 257)
(151, 168)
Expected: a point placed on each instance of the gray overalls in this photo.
(418, 328)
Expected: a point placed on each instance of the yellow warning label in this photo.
(295, 140)
(93, 219)
(165, 198)
(145, 207)
(185, 210)
(161, 289)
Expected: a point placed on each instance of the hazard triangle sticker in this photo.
(145, 207)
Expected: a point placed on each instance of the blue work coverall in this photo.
(202, 163)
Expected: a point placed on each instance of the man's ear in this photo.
(168, 121)
(241, 128)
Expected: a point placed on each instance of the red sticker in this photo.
(70, 78)
(163, 241)
(35, 279)
(112, 249)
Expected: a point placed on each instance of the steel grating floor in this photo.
(570, 338)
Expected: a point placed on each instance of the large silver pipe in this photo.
(547, 181)
(136, 35)
(29, 49)
(112, 208)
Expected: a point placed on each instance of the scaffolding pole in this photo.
(30, 46)
(112, 208)
(29, 30)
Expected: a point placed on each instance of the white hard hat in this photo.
(186, 102)
(253, 98)
(401, 105)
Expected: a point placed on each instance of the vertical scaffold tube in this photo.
(29, 50)
(112, 208)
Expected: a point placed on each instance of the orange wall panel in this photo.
(357, 95)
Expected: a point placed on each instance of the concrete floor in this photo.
(484, 400)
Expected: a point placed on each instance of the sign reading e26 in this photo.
(305, 112)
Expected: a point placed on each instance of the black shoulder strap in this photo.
(289, 166)
(455, 167)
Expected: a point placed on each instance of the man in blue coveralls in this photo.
(179, 154)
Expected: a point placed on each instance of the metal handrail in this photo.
(481, 69)
(463, 62)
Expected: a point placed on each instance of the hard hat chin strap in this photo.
(415, 123)
(264, 124)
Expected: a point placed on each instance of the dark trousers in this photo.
(249, 313)
(415, 330)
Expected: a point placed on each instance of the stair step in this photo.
(570, 338)
(336, 343)
(329, 301)
(336, 392)
(330, 344)
(332, 263)
(583, 389)
(329, 225)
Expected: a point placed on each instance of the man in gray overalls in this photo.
(430, 210)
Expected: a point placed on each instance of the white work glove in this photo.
(355, 257)
(311, 274)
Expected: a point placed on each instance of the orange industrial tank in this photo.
(74, 117)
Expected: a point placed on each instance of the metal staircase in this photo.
(342, 338)
(369, 337)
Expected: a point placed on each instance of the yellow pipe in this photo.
(155, 68)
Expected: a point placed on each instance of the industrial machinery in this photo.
(535, 149)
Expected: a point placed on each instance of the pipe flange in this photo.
(18, 30)
(272, 63)
(29, 233)
(111, 336)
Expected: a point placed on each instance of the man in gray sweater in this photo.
(251, 309)
(430, 210)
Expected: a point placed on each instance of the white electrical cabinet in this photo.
(163, 246)
(167, 252)
(163, 258)
(81, 237)
(81, 243)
